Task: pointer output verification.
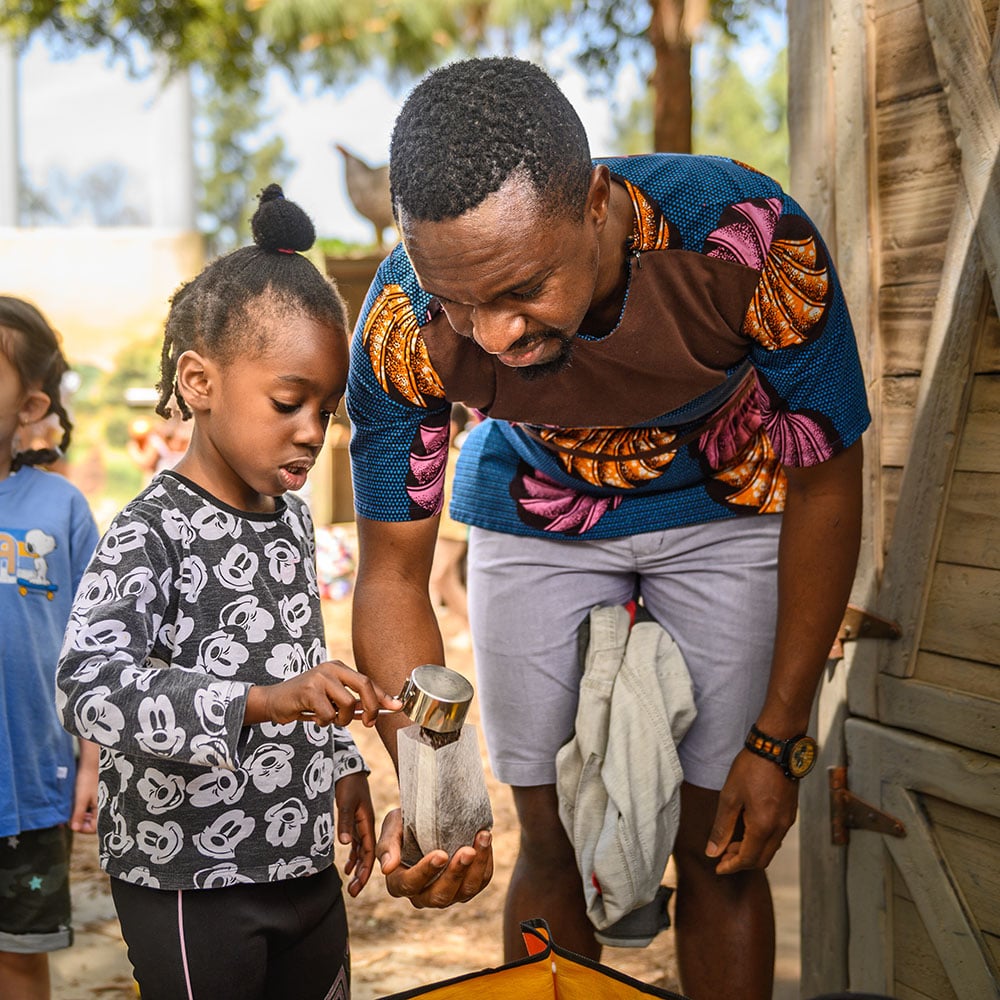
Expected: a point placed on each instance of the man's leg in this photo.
(545, 882)
(724, 924)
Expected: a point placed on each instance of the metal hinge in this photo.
(860, 624)
(848, 812)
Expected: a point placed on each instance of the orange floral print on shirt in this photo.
(610, 456)
(397, 351)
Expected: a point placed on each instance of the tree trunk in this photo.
(670, 35)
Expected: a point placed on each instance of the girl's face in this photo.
(260, 419)
(18, 407)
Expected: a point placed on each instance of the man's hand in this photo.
(758, 793)
(434, 881)
(356, 826)
(324, 694)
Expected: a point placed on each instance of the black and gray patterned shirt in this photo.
(186, 604)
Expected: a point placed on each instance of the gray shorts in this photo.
(713, 587)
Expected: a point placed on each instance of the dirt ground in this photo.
(394, 946)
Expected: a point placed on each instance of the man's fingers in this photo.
(723, 827)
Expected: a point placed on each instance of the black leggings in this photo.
(282, 940)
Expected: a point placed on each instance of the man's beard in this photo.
(560, 362)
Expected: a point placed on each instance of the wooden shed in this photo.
(895, 134)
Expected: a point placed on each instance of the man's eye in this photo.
(284, 407)
(528, 293)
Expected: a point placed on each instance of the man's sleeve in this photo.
(399, 416)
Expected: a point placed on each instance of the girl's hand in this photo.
(356, 826)
(324, 695)
(84, 818)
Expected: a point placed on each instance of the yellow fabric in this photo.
(548, 976)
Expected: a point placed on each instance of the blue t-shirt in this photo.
(733, 357)
(47, 536)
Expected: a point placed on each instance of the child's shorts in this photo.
(34, 891)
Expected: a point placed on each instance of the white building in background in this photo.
(103, 287)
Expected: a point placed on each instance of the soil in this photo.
(394, 946)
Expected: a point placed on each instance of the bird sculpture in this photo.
(368, 191)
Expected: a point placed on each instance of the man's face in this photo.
(512, 277)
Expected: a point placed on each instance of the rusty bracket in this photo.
(848, 812)
(860, 624)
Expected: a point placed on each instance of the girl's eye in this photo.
(284, 407)
(325, 416)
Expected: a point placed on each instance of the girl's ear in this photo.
(34, 406)
(195, 380)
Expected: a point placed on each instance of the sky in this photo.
(79, 113)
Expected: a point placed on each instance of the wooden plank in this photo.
(970, 843)
(988, 358)
(962, 44)
(891, 481)
(904, 314)
(899, 412)
(941, 401)
(961, 618)
(971, 532)
(917, 176)
(869, 886)
(980, 447)
(942, 908)
(825, 174)
(969, 720)
(904, 63)
(918, 970)
(968, 677)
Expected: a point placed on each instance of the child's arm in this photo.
(356, 826)
(84, 818)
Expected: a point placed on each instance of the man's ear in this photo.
(196, 376)
(599, 196)
(34, 407)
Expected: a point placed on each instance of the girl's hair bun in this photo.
(279, 224)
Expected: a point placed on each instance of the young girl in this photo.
(195, 652)
(47, 536)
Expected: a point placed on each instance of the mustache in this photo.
(559, 363)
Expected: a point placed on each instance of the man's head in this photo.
(466, 128)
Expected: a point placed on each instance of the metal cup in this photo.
(436, 698)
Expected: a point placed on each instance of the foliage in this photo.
(242, 161)
(734, 117)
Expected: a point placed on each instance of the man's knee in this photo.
(543, 837)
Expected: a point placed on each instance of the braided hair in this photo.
(469, 126)
(34, 349)
(214, 312)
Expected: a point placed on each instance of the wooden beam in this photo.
(963, 51)
(941, 405)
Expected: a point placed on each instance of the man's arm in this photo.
(394, 630)
(817, 558)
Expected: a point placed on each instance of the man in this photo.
(674, 405)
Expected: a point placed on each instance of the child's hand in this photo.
(356, 826)
(84, 818)
(322, 695)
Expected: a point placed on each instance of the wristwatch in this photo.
(795, 756)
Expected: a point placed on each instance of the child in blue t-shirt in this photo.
(47, 536)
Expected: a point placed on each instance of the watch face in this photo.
(801, 757)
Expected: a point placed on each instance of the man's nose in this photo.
(496, 330)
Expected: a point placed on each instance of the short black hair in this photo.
(213, 312)
(467, 127)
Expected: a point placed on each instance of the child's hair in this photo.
(34, 350)
(212, 313)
